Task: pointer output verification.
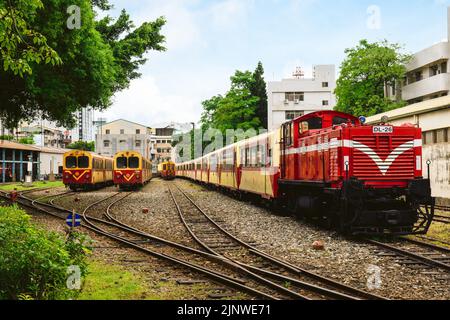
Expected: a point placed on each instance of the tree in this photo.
(258, 89)
(368, 71)
(27, 140)
(97, 60)
(20, 45)
(235, 110)
(82, 145)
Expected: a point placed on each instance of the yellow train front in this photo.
(84, 170)
(166, 170)
(131, 170)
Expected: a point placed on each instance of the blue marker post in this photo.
(73, 220)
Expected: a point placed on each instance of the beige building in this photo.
(433, 116)
(123, 135)
(162, 144)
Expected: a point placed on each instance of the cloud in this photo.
(230, 13)
(145, 103)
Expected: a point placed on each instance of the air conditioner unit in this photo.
(297, 101)
(286, 101)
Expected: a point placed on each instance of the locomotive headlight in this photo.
(362, 119)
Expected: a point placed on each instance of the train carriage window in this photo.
(83, 162)
(133, 162)
(121, 163)
(71, 162)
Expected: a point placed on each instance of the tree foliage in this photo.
(34, 262)
(242, 107)
(368, 71)
(258, 89)
(82, 145)
(96, 61)
(21, 46)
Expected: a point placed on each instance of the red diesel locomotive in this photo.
(361, 179)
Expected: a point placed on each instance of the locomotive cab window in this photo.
(83, 162)
(71, 162)
(121, 163)
(310, 124)
(133, 162)
(339, 120)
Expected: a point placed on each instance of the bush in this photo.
(34, 262)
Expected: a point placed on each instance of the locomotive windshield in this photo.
(133, 162)
(83, 162)
(71, 162)
(122, 163)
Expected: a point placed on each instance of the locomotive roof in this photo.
(328, 113)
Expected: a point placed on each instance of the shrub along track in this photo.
(217, 241)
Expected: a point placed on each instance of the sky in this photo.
(207, 40)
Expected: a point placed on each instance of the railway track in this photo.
(217, 241)
(442, 208)
(441, 219)
(233, 277)
(416, 254)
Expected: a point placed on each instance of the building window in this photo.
(434, 70)
(444, 67)
(122, 131)
(325, 103)
(158, 141)
(108, 131)
(123, 141)
(324, 84)
(138, 131)
(106, 143)
(442, 136)
(295, 96)
(138, 143)
(291, 115)
(418, 76)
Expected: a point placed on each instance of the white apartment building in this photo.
(428, 74)
(291, 98)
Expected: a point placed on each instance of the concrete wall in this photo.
(46, 159)
(439, 154)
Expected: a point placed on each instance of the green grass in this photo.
(113, 282)
(109, 282)
(20, 187)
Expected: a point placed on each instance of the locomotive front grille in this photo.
(383, 157)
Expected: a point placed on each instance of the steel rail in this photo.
(211, 274)
(409, 254)
(294, 269)
(427, 244)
